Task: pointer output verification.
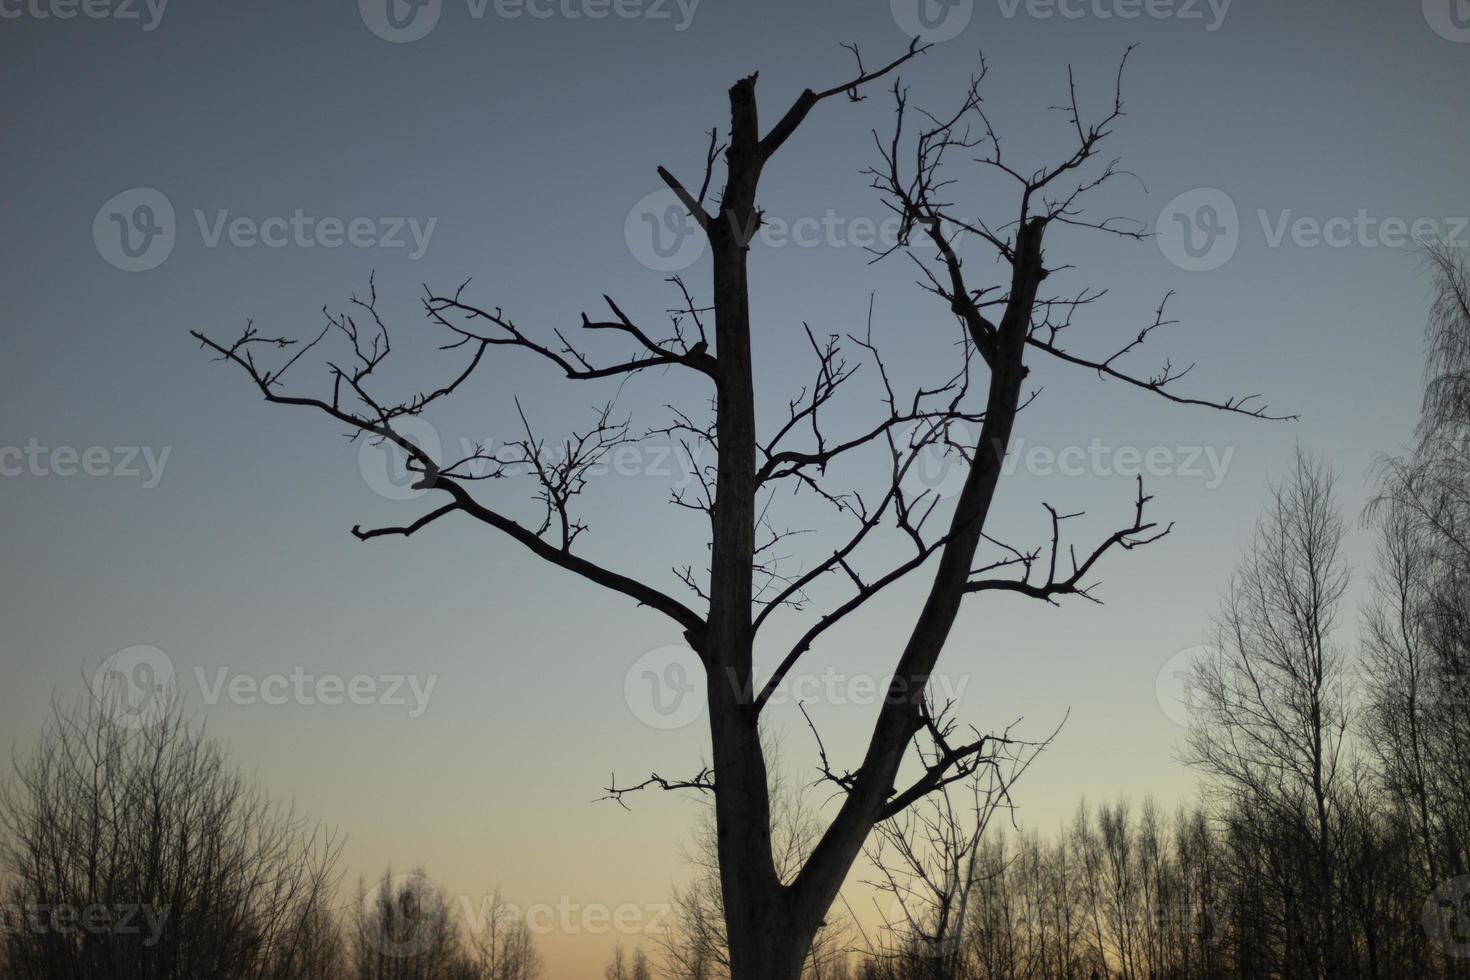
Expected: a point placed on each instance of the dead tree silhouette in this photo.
(770, 921)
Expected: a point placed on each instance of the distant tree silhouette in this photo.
(1001, 316)
(404, 929)
(1417, 631)
(143, 855)
(622, 968)
(1273, 704)
(501, 945)
(1419, 628)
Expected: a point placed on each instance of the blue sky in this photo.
(516, 148)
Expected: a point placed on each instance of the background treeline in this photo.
(143, 854)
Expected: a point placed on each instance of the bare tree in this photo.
(501, 945)
(317, 950)
(770, 922)
(404, 929)
(143, 855)
(1445, 421)
(1417, 633)
(696, 947)
(1399, 663)
(929, 858)
(1272, 700)
(622, 968)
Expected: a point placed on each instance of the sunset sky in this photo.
(515, 143)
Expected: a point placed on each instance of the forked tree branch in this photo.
(1140, 533)
(352, 404)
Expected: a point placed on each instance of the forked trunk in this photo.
(770, 925)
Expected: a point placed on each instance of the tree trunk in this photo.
(763, 944)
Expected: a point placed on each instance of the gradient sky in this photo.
(530, 141)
